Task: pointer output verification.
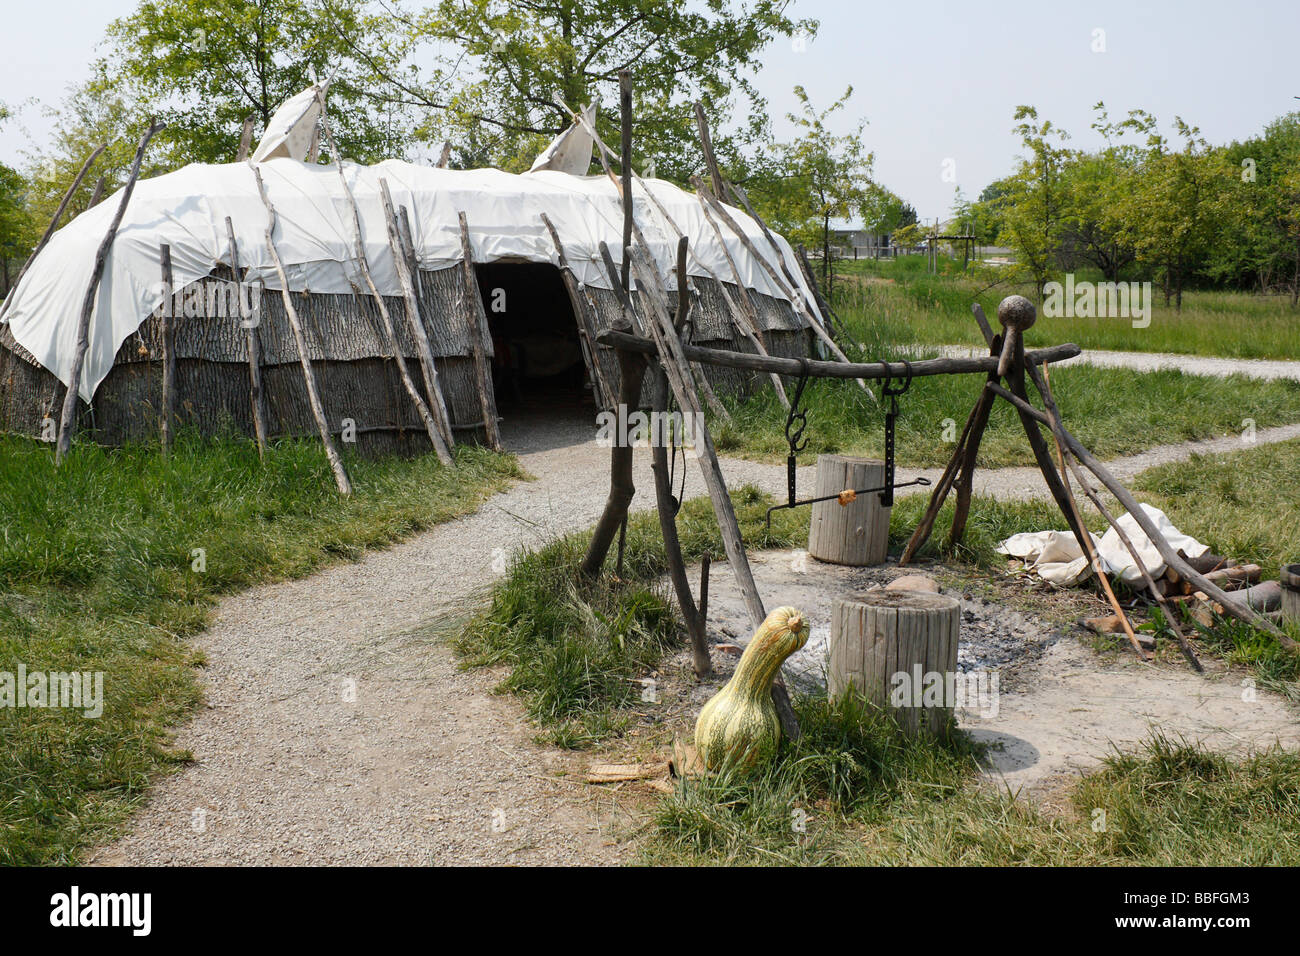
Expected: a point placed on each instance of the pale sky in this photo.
(936, 80)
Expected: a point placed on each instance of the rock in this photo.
(913, 582)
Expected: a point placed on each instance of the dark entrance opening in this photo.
(538, 362)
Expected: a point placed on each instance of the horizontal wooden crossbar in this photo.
(818, 369)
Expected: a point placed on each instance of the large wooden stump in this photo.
(856, 533)
(1290, 579)
(893, 645)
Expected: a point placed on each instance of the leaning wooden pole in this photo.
(1130, 504)
(431, 427)
(58, 213)
(707, 197)
(477, 319)
(308, 374)
(67, 419)
(625, 114)
(168, 352)
(442, 447)
(677, 368)
(582, 314)
(256, 398)
(622, 488)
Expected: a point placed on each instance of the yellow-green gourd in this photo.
(738, 727)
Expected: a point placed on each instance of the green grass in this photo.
(1113, 412)
(853, 792)
(575, 648)
(97, 573)
(901, 303)
(1244, 504)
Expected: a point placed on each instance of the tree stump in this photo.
(856, 533)
(1290, 580)
(896, 648)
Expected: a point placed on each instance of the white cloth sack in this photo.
(1055, 556)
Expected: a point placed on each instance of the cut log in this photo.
(898, 649)
(1229, 578)
(856, 533)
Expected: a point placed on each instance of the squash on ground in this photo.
(738, 727)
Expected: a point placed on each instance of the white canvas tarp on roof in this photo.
(314, 238)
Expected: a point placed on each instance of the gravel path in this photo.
(1153, 361)
(338, 731)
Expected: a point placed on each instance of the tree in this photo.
(1177, 204)
(1036, 202)
(204, 65)
(1098, 189)
(15, 218)
(1263, 218)
(497, 66)
(826, 176)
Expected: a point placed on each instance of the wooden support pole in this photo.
(709, 199)
(67, 420)
(168, 352)
(793, 284)
(616, 338)
(1167, 552)
(478, 332)
(625, 114)
(748, 312)
(97, 193)
(677, 368)
(308, 375)
(604, 153)
(667, 507)
(706, 143)
(432, 426)
(246, 138)
(965, 483)
(444, 156)
(58, 212)
(255, 395)
(582, 314)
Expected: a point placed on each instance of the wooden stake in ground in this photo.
(478, 334)
(168, 352)
(67, 419)
(250, 322)
(308, 375)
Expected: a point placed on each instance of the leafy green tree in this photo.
(496, 67)
(15, 219)
(204, 65)
(1035, 204)
(824, 176)
(1263, 222)
(1098, 188)
(1176, 208)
